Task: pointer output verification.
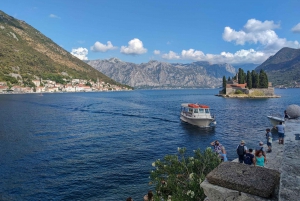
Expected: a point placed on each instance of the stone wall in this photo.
(237, 182)
(290, 168)
(234, 89)
(267, 91)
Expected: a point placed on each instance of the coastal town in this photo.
(50, 86)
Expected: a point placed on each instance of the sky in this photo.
(137, 31)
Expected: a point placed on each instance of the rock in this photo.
(217, 193)
(293, 111)
(245, 178)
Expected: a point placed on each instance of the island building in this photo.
(233, 87)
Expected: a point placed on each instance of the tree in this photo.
(249, 80)
(229, 79)
(263, 79)
(241, 76)
(88, 84)
(179, 176)
(255, 79)
(224, 82)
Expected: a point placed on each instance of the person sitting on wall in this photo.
(259, 159)
(223, 154)
(249, 158)
(261, 148)
(217, 146)
(149, 196)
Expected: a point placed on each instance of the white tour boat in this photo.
(196, 114)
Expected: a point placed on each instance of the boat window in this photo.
(201, 110)
(184, 109)
(190, 110)
(195, 110)
(206, 110)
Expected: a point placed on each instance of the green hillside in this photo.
(283, 69)
(27, 52)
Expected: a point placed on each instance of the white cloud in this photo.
(253, 32)
(241, 56)
(99, 47)
(156, 52)
(258, 32)
(81, 53)
(135, 46)
(192, 54)
(171, 56)
(54, 16)
(253, 25)
(296, 29)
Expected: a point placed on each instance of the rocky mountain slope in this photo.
(283, 68)
(246, 67)
(155, 74)
(27, 53)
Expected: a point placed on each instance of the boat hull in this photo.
(201, 122)
(275, 120)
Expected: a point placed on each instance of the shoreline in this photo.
(247, 96)
(38, 93)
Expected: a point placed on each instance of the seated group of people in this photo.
(147, 197)
(245, 155)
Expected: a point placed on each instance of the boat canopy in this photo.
(192, 105)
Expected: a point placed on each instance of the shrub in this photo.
(180, 176)
(239, 92)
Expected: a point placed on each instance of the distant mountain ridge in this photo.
(283, 69)
(155, 74)
(27, 53)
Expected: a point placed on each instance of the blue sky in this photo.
(234, 31)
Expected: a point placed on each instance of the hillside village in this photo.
(50, 86)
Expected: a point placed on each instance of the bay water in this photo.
(100, 146)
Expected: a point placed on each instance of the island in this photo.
(250, 85)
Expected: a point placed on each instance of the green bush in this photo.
(238, 92)
(179, 176)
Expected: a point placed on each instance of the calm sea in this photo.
(100, 146)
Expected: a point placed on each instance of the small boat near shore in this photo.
(275, 120)
(197, 114)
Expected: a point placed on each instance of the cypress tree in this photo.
(263, 79)
(224, 82)
(242, 76)
(249, 80)
(255, 79)
(229, 79)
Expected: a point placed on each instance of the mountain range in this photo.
(25, 54)
(283, 68)
(156, 74)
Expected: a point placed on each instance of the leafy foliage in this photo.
(179, 176)
(238, 92)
